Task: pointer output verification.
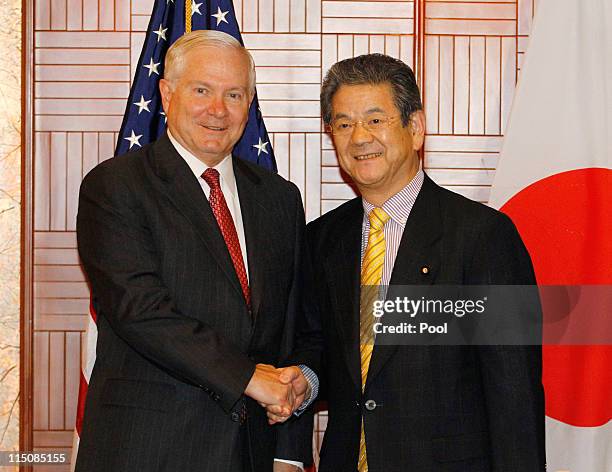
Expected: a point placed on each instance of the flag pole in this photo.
(187, 16)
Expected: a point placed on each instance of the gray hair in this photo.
(175, 57)
(373, 69)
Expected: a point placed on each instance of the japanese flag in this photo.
(555, 181)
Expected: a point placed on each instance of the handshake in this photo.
(280, 391)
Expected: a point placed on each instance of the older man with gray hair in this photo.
(195, 263)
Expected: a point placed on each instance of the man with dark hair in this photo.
(412, 408)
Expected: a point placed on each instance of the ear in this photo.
(417, 125)
(165, 89)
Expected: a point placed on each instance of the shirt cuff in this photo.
(313, 382)
(295, 463)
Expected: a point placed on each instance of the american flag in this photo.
(144, 120)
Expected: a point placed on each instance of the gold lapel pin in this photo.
(425, 270)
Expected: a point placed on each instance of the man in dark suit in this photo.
(194, 260)
(399, 407)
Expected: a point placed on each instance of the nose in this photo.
(360, 134)
(217, 107)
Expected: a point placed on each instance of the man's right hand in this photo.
(267, 388)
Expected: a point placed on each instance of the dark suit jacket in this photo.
(176, 342)
(437, 408)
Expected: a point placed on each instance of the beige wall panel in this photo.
(446, 85)
(90, 14)
(107, 15)
(41, 381)
(336, 191)
(80, 106)
(63, 322)
(379, 26)
(431, 90)
(90, 152)
(470, 27)
(313, 16)
(279, 75)
(250, 16)
(281, 16)
(81, 89)
(142, 7)
(472, 143)
(492, 85)
(297, 58)
(288, 92)
(55, 240)
(280, 143)
(61, 290)
(56, 380)
(122, 15)
(56, 256)
(58, 14)
(106, 147)
(140, 22)
(58, 182)
(297, 154)
(49, 306)
(526, 9)
(461, 92)
(508, 78)
(292, 41)
(74, 172)
(392, 46)
(56, 273)
(476, 193)
(296, 108)
(77, 123)
(42, 182)
(86, 39)
(52, 439)
(42, 10)
(407, 50)
(82, 56)
(461, 160)
(448, 177)
(468, 10)
(72, 376)
(312, 197)
(74, 15)
(367, 9)
(53, 73)
(477, 85)
(298, 15)
(266, 18)
(287, 125)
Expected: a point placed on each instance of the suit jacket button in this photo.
(370, 405)
(235, 417)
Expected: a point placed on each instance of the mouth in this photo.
(366, 157)
(214, 128)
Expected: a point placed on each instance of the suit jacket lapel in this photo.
(342, 265)
(183, 189)
(418, 257)
(256, 227)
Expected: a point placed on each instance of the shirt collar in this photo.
(398, 207)
(225, 167)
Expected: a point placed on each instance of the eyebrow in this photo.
(368, 112)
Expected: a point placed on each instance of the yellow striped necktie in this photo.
(371, 276)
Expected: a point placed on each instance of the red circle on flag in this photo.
(565, 221)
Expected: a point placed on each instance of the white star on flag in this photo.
(143, 104)
(164, 115)
(133, 139)
(220, 16)
(195, 8)
(261, 147)
(152, 66)
(161, 32)
(168, 1)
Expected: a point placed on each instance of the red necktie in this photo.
(227, 227)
